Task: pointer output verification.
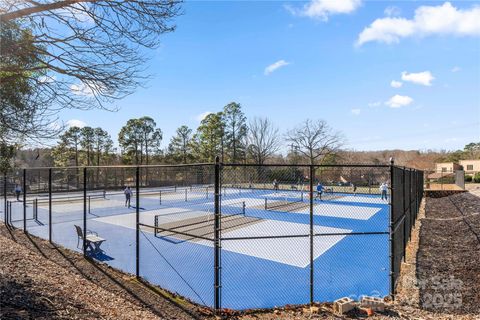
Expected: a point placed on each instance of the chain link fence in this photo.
(234, 236)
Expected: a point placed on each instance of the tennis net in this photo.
(197, 223)
(282, 202)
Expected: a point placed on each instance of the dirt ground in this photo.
(42, 281)
(448, 259)
(440, 277)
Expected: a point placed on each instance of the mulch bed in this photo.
(448, 260)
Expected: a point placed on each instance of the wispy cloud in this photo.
(322, 9)
(448, 140)
(392, 11)
(202, 115)
(275, 66)
(82, 89)
(428, 20)
(398, 101)
(375, 104)
(47, 79)
(396, 84)
(356, 111)
(76, 123)
(424, 78)
(456, 69)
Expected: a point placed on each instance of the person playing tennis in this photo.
(275, 185)
(18, 191)
(319, 191)
(128, 195)
(383, 189)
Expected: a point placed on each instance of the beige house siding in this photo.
(470, 166)
(446, 167)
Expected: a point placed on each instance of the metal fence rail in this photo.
(235, 236)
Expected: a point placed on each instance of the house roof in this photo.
(438, 175)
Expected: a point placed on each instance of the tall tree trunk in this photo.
(98, 163)
(136, 153)
(234, 160)
(76, 165)
(184, 151)
(146, 160)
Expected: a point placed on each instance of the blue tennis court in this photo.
(265, 256)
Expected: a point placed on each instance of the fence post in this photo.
(5, 201)
(417, 204)
(50, 205)
(84, 211)
(25, 200)
(413, 200)
(392, 245)
(217, 304)
(405, 216)
(312, 175)
(137, 222)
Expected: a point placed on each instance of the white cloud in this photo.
(82, 13)
(428, 20)
(424, 78)
(356, 112)
(81, 89)
(55, 125)
(398, 101)
(456, 69)
(392, 11)
(448, 140)
(75, 123)
(375, 104)
(202, 115)
(396, 84)
(322, 9)
(274, 66)
(47, 79)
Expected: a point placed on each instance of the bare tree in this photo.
(81, 54)
(263, 139)
(316, 140)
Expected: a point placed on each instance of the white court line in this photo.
(237, 202)
(320, 208)
(341, 211)
(363, 199)
(290, 194)
(148, 217)
(291, 251)
(94, 204)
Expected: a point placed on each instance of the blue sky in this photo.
(335, 61)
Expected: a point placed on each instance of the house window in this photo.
(444, 169)
(469, 167)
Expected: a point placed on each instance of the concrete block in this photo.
(374, 303)
(343, 305)
(311, 309)
(315, 309)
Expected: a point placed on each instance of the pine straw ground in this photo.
(41, 281)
